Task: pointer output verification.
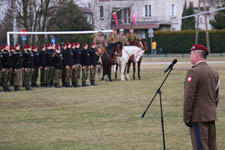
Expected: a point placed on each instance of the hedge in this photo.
(181, 41)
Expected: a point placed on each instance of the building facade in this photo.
(155, 14)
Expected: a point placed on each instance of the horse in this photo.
(127, 52)
(141, 44)
(108, 58)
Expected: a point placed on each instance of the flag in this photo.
(115, 17)
(134, 18)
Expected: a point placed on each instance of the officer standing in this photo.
(130, 37)
(93, 63)
(201, 95)
(17, 65)
(50, 63)
(43, 66)
(7, 65)
(68, 64)
(58, 66)
(36, 67)
(28, 65)
(85, 63)
(77, 64)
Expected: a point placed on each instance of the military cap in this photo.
(93, 43)
(4, 46)
(199, 47)
(85, 44)
(48, 45)
(12, 48)
(17, 45)
(76, 44)
(34, 47)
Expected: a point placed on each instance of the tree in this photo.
(69, 18)
(219, 20)
(188, 23)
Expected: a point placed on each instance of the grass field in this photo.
(105, 117)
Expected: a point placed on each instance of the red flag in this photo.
(134, 18)
(115, 17)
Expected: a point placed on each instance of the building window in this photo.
(173, 12)
(126, 15)
(148, 10)
(101, 11)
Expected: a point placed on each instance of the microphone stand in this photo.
(158, 91)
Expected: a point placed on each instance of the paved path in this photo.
(181, 62)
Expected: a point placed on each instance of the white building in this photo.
(155, 14)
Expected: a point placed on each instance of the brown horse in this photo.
(142, 44)
(108, 58)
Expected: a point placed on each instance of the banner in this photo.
(115, 17)
(134, 18)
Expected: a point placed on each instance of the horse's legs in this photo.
(109, 67)
(123, 65)
(139, 68)
(134, 69)
(104, 71)
(116, 71)
(128, 70)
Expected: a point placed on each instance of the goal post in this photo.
(54, 33)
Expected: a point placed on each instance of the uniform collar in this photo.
(199, 62)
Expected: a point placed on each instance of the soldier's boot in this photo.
(17, 88)
(93, 83)
(51, 83)
(34, 85)
(6, 89)
(27, 87)
(84, 84)
(57, 86)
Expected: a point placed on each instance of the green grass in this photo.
(105, 117)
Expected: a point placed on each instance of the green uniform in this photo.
(113, 38)
(130, 38)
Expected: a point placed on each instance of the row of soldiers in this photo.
(53, 62)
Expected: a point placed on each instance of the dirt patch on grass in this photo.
(27, 104)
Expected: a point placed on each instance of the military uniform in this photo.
(7, 65)
(1, 67)
(58, 66)
(201, 89)
(93, 63)
(28, 65)
(36, 69)
(85, 63)
(77, 69)
(113, 38)
(67, 63)
(99, 41)
(50, 68)
(17, 65)
(43, 66)
(130, 38)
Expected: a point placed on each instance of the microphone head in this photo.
(174, 61)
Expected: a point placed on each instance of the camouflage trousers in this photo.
(35, 75)
(43, 78)
(67, 74)
(18, 76)
(92, 73)
(5, 78)
(49, 74)
(84, 73)
(57, 76)
(27, 76)
(76, 73)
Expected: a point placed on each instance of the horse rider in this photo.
(99, 40)
(122, 37)
(113, 37)
(130, 37)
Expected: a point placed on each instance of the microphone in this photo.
(171, 65)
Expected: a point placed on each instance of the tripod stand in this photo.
(158, 91)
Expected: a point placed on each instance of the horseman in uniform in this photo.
(99, 40)
(113, 37)
(130, 37)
